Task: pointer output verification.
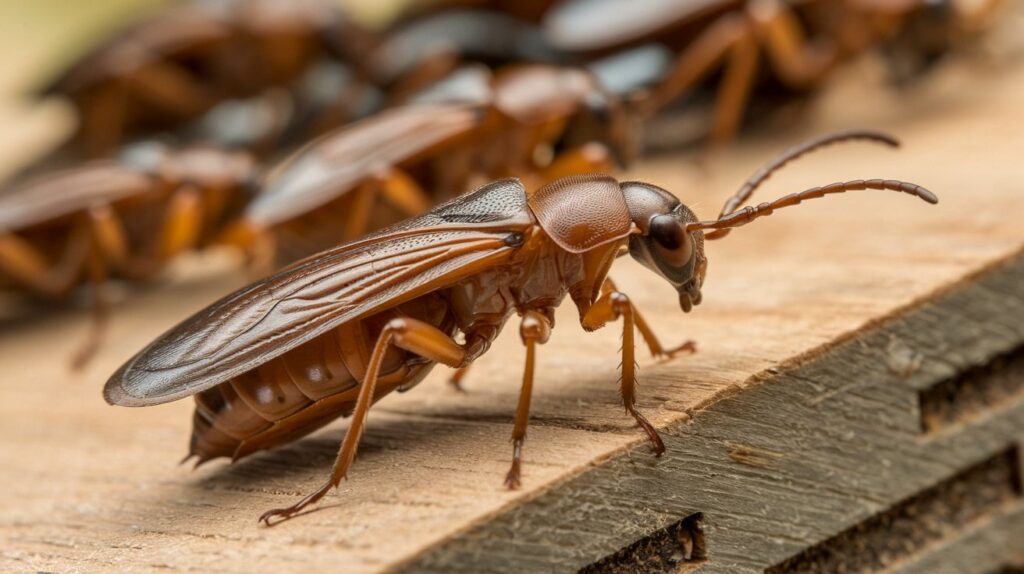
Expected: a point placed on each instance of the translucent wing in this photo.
(66, 192)
(264, 320)
(336, 163)
(586, 25)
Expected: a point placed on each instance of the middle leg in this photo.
(535, 328)
(658, 351)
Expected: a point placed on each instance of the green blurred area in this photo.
(39, 37)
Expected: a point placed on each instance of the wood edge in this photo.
(784, 368)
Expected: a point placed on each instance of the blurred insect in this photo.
(122, 218)
(417, 53)
(404, 160)
(526, 10)
(162, 72)
(281, 119)
(332, 334)
(730, 35)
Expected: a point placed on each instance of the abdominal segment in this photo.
(302, 390)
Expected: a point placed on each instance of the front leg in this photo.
(616, 305)
(658, 351)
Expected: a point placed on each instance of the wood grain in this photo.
(787, 427)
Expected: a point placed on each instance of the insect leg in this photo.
(534, 328)
(412, 335)
(796, 62)
(657, 350)
(100, 310)
(363, 200)
(456, 379)
(735, 90)
(611, 306)
(23, 262)
(697, 61)
(402, 191)
(183, 223)
(257, 244)
(108, 235)
(592, 157)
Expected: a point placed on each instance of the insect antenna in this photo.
(793, 153)
(750, 213)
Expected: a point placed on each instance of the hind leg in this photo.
(410, 334)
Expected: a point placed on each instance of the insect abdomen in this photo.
(302, 390)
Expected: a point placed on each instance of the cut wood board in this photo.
(790, 429)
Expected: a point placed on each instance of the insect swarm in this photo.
(801, 42)
(332, 334)
(123, 218)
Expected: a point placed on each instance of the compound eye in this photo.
(665, 229)
(673, 244)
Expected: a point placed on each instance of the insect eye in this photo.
(665, 229)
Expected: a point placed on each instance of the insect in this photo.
(403, 160)
(172, 68)
(801, 41)
(528, 10)
(334, 333)
(281, 119)
(421, 51)
(124, 217)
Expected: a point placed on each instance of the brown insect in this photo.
(416, 53)
(334, 333)
(172, 68)
(280, 120)
(120, 218)
(735, 35)
(526, 10)
(404, 160)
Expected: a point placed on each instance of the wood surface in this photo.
(798, 420)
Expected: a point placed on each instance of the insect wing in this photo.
(265, 320)
(64, 193)
(593, 25)
(334, 164)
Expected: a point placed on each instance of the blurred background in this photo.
(954, 98)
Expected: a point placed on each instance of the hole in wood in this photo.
(905, 529)
(676, 548)
(972, 392)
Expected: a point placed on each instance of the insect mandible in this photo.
(332, 334)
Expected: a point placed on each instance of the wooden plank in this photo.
(837, 474)
(833, 296)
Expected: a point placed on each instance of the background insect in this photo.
(121, 218)
(332, 334)
(170, 69)
(414, 54)
(802, 42)
(406, 159)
